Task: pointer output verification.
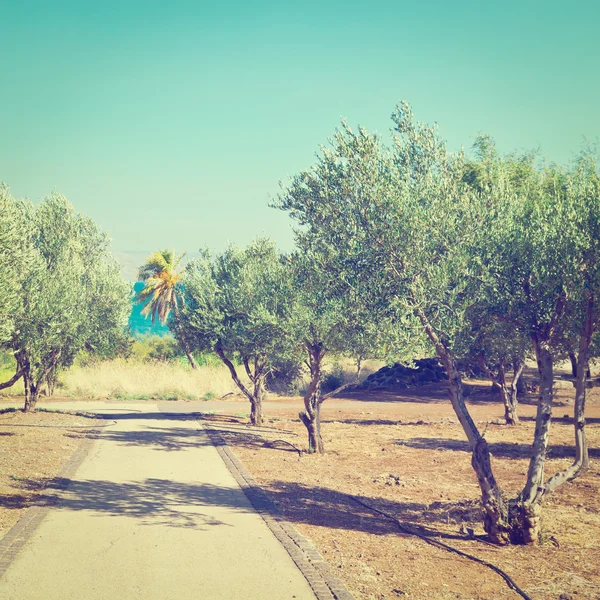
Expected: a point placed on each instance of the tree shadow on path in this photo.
(177, 504)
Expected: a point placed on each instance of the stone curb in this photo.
(313, 566)
(18, 535)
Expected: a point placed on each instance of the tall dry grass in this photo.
(163, 380)
(170, 380)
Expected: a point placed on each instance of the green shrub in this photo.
(333, 379)
(285, 377)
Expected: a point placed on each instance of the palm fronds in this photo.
(161, 274)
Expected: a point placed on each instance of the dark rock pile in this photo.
(425, 370)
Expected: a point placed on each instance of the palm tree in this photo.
(162, 275)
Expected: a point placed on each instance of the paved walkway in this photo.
(154, 514)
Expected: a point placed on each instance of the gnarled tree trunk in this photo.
(582, 461)
(521, 387)
(573, 360)
(508, 394)
(313, 399)
(257, 377)
(496, 521)
(518, 366)
(311, 415)
(526, 511)
(32, 382)
(32, 393)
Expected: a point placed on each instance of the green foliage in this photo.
(393, 223)
(155, 347)
(73, 298)
(285, 376)
(16, 258)
(7, 360)
(333, 379)
(537, 256)
(207, 359)
(161, 273)
(239, 302)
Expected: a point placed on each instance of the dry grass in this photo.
(121, 379)
(165, 380)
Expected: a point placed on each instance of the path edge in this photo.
(19, 534)
(302, 551)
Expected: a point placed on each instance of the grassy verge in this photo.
(163, 380)
(143, 378)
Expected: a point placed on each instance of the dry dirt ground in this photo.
(402, 452)
(406, 454)
(32, 449)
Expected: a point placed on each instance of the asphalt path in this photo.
(152, 513)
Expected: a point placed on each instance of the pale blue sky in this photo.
(171, 123)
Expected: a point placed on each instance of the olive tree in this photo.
(498, 347)
(442, 243)
(16, 258)
(72, 299)
(404, 215)
(330, 317)
(237, 304)
(583, 293)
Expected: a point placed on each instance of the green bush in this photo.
(285, 377)
(155, 347)
(333, 379)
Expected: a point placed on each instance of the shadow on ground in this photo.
(177, 504)
(181, 504)
(499, 449)
(157, 438)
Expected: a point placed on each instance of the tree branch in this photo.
(233, 372)
(341, 388)
(12, 380)
(247, 367)
(483, 364)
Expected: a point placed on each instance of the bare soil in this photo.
(405, 453)
(33, 446)
(401, 451)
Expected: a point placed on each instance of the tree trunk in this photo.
(257, 377)
(582, 461)
(496, 521)
(256, 414)
(573, 360)
(51, 383)
(32, 392)
(181, 335)
(521, 387)
(510, 405)
(508, 399)
(313, 427)
(311, 415)
(526, 512)
(513, 400)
